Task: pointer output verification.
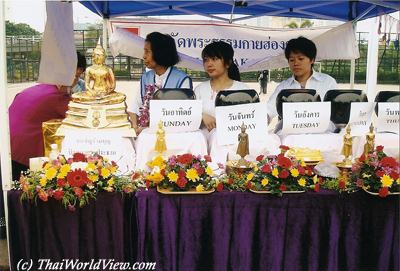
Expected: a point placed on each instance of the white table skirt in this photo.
(177, 143)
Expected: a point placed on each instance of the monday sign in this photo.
(229, 120)
(176, 115)
(306, 118)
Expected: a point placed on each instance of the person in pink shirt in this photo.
(29, 110)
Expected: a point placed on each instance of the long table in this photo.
(221, 231)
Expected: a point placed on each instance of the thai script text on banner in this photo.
(176, 115)
(255, 48)
(388, 117)
(229, 120)
(360, 118)
(306, 118)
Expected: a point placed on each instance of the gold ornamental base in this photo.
(237, 166)
(104, 117)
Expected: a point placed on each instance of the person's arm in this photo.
(209, 121)
(271, 104)
(134, 122)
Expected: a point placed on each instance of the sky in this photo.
(20, 11)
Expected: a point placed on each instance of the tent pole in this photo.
(105, 25)
(5, 153)
(353, 62)
(372, 60)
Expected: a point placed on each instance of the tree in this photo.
(292, 24)
(20, 29)
(304, 24)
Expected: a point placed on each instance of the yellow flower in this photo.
(398, 181)
(192, 175)
(255, 169)
(47, 166)
(64, 169)
(294, 172)
(250, 176)
(302, 182)
(105, 172)
(199, 188)
(110, 182)
(315, 179)
(90, 167)
(157, 161)
(302, 163)
(275, 172)
(264, 182)
(155, 177)
(209, 171)
(43, 181)
(172, 176)
(93, 177)
(386, 181)
(50, 173)
(113, 170)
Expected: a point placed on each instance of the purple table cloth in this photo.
(100, 230)
(245, 231)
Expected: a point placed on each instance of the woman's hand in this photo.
(209, 121)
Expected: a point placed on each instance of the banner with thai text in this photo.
(360, 118)
(305, 118)
(388, 117)
(176, 115)
(255, 48)
(229, 120)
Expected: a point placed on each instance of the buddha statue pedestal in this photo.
(97, 116)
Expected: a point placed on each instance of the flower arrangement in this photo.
(377, 173)
(235, 181)
(144, 118)
(181, 173)
(76, 180)
(277, 174)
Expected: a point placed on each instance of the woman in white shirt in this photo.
(224, 75)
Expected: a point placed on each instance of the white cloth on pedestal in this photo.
(109, 144)
(389, 141)
(329, 144)
(177, 143)
(220, 154)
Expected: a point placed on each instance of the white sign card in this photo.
(305, 118)
(360, 117)
(229, 120)
(176, 115)
(108, 144)
(388, 117)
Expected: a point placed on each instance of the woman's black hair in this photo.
(224, 51)
(301, 45)
(81, 61)
(163, 48)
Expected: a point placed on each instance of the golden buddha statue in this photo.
(99, 82)
(370, 140)
(99, 106)
(347, 150)
(160, 145)
(243, 146)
